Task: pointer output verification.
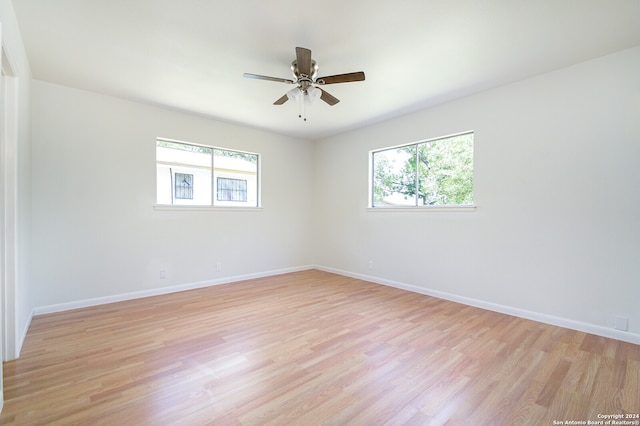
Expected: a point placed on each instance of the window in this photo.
(184, 186)
(232, 189)
(437, 172)
(189, 174)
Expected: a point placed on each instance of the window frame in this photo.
(213, 176)
(417, 208)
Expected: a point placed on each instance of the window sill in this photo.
(430, 209)
(166, 207)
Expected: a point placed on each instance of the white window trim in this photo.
(425, 209)
(169, 207)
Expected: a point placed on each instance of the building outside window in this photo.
(190, 174)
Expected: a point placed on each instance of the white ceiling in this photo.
(190, 54)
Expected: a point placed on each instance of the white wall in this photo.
(557, 185)
(95, 231)
(556, 234)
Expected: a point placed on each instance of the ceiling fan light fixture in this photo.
(294, 94)
(313, 93)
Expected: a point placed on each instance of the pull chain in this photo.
(302, 108)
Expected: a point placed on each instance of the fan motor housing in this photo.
(296, 72)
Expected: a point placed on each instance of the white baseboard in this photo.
(503, 309)
(509, 310)
(23, 334)
(60, 307)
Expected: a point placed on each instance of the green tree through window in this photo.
(432, 173)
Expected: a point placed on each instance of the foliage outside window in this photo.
(190, 175)
(437, 172)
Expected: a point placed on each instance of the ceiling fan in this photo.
(305, 71)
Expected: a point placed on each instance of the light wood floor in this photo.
(311, 348)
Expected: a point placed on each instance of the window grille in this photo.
(184, 186)
(231, 189)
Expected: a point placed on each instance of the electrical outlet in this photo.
(621, 323)
(218, 266)
(163, 274)
(371, 264)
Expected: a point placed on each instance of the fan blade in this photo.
(282, 100)
(341, 78)
(330, 99)
(264, 77)
(303, 56)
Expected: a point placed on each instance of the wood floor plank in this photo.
(311, 348)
